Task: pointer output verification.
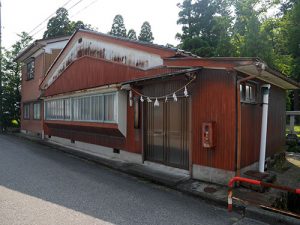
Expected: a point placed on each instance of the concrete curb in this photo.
(124, 167)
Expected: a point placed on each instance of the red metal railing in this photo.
(255, 182)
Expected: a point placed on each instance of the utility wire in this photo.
(45, 20)
(54, 13)
(79, 11)
(89, 5)
(75, 4)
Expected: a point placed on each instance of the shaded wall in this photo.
(251, 126)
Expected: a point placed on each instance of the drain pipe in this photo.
(264, 126)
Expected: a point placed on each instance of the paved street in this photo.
(39, 185)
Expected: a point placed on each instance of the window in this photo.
(248, 92)
(30, 69)
(89, 108)
(37, 111)
(58, 109)
(26, 111)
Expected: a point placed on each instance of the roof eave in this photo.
(270, 76)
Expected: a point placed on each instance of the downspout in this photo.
(264, 127)
(260, 67)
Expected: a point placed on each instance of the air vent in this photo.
(117, 151)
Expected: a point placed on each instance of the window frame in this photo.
(34, 112)
(72, 100)
(246, 98)
(30, 69)
(26, 105)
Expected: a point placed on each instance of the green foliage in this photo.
(60, 25)
(131, 34)
(206, 27)
(118, 28)
(146, 33)
(12, 82)
(244, 28)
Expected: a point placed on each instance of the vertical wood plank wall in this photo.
(213, 99)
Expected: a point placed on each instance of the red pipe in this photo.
(255, 182)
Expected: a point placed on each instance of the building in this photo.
(147, 103)
(36, 60)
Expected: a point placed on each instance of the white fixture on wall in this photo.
(265, 90)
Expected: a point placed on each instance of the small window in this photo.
(248, 92)
(37, 111)
(26, 111)
(30, 70)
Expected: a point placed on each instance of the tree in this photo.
(206, 27)
(60, 25)
(131, 34)
(12, 81)
(292, 18)
(146, 33)
(80, 25)
(249, 39)
(118, 28)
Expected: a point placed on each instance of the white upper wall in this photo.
(55, 45)
(106, 50)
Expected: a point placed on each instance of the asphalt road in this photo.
(39, 185)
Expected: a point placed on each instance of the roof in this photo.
(149, 44)
(36, 45)
(176, 57)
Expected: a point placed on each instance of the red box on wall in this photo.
(208, 135)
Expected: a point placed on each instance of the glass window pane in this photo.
(109, 107)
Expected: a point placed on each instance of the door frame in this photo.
(189, 131)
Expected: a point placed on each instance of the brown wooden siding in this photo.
(251, 126)
(109, 137)
(213, 99)
(88, 72)
(276, 121)
(134, 136)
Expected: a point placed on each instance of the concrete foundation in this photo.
(212, 175)
(96, 150)
(167, 169)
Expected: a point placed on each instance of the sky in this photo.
(18, 16)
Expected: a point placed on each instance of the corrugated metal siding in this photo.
(213, 99)
(89, 72)
(251, 126)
